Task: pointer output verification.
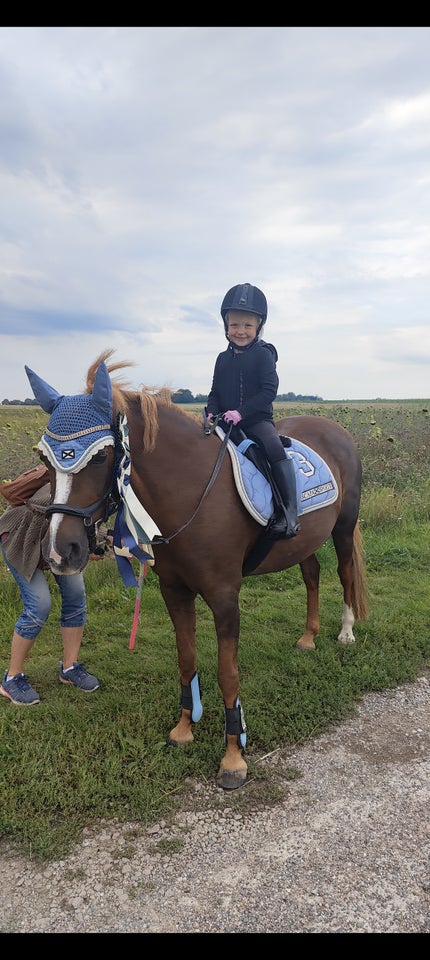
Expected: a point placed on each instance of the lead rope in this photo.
(135, 624)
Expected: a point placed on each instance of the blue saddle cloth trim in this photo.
(316, 485)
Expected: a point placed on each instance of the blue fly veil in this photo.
(79, 425)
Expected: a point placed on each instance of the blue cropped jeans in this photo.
(37, 600)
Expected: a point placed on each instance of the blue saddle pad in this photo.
(316, 485)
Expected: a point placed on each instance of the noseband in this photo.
(109, 503)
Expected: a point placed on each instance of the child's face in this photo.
(241, 327)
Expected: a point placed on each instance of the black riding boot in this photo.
(284, 475)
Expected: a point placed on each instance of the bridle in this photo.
(109, 501)
(109, 504)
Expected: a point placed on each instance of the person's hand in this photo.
(104, 547)
(232, 415)
(210, 417)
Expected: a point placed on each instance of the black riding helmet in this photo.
(247, 298)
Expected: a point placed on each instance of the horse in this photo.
(203, 535)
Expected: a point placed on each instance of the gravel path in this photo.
(346, 850)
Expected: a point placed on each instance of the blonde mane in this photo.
(123, 398)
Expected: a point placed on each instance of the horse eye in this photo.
(99, 457)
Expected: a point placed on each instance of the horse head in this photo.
(78, 447)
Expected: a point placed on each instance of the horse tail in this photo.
(359, 598)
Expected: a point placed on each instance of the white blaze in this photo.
(63, 486)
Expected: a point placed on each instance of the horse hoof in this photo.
(231, 779)
(305, 645)
(178, 743)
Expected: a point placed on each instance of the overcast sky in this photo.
(146, 170)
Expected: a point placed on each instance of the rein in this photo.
(157, 540)
(111, 499)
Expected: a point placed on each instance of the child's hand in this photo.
(232, 415)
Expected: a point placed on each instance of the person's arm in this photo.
(267, 385)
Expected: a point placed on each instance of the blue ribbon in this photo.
(123, 538)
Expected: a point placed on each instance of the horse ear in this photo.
(102, 392)
(47, 396)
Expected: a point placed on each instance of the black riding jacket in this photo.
(246, 381)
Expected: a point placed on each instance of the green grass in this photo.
(78, 759)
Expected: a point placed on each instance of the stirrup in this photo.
(291, 531)
(282, 529)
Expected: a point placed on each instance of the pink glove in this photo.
(233, 415)
(210, 417)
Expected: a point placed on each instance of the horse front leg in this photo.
(311, 577)
(233, 768)
(180, 603)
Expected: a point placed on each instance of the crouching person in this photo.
(22, 529)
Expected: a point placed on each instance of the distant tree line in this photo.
(185, 396)
(180, 396)
(29, 402)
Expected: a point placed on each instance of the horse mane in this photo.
(149, 398)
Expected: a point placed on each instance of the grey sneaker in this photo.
(79, 677)
(18, 690)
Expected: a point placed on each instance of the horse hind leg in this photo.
(310, 569)
(343, 543)
(346, 634)
(351, 572)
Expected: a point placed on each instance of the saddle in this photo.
(256, 455)
(316, 485)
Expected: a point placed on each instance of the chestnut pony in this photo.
(204, 533)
